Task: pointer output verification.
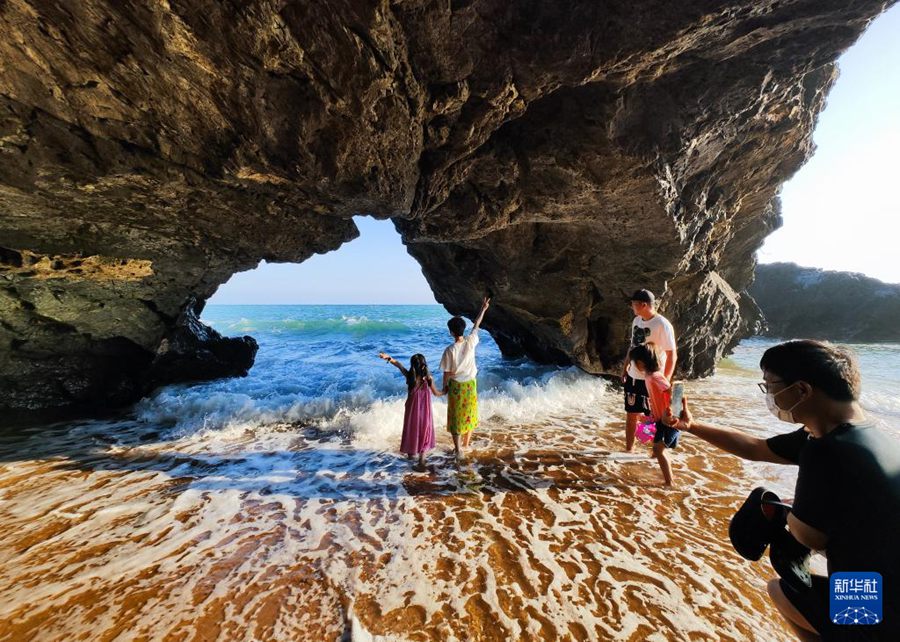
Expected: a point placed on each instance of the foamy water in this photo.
(276, 506)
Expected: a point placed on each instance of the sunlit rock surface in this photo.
(556, 155)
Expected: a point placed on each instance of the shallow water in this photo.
(276, 507)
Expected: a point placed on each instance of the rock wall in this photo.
(810, 303)
(558, 155)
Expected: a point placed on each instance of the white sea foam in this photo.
(555, 535)
(884, 405)
(363, 411)
(277, 507)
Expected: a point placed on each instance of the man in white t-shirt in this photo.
(648, 326)
(458, 366)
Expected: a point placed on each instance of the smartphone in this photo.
(677, 398)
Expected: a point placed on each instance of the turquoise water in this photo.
(319, 363)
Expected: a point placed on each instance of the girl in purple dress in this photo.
(418, 426)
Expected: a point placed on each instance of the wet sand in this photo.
(120, 531)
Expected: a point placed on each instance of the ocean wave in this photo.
(345, 324)
(366, 413)
(882, 404)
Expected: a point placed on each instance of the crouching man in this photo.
(847, 499)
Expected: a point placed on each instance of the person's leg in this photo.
(631, 420)
(453, 416)
(801, 627)
(635, 406)
(469, 410)
(421, 465)
(659, 451)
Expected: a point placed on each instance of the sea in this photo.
(276, 506)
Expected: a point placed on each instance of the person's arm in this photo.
(732, 441)
(807, 535)
(671, 350)
(446, 365)
(671, 360)
(484, 306)
(627, 361)
(661, 403)
(657, 398)
(393, 362)
(817, 505)
(437, 393)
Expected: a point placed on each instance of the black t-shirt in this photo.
(848, 487)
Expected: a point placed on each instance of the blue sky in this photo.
(373, 268)
(841, 210)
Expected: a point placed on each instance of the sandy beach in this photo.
(546, 532)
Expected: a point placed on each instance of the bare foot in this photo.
(420, 468)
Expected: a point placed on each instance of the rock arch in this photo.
(557, 155)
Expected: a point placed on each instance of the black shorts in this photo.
(813, 604)
(636, 398)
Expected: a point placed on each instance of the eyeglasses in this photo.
(764, 385)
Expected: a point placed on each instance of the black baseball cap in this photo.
(644, 296)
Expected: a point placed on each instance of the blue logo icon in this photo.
(856, 598)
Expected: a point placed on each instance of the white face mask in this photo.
(781, 413)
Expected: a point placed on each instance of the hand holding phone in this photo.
(677, 404)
